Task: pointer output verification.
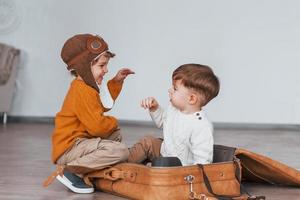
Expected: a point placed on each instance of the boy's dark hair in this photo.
(200, 78)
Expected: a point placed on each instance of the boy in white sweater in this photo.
(188, 134)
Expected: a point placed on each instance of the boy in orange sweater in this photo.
(83, 134)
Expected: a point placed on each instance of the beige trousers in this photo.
(95, 153)
(146, 149)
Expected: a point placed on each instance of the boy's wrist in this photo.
(116, 80)
(153, 109)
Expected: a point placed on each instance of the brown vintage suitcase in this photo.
(219, 180)
(136, 181)
(223, 178)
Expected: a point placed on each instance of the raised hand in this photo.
(150, 103)
(122, 74)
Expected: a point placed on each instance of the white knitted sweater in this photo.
(186, 136)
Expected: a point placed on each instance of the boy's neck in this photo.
(191, 110)
(79, 78)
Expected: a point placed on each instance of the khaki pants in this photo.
(146, 149)
(95, 153)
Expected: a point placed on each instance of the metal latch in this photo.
(193, 195)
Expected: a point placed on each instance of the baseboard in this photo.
(225, 125)
(136, 123)
(254, 126)
(28, 119)
(217, 125)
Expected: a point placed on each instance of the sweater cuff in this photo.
(157, 114)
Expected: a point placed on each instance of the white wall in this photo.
(253, 46)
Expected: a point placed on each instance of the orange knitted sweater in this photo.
(82, 116)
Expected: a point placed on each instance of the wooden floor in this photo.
(25, 159)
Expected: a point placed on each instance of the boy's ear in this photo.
(196, 99)
(193, 98)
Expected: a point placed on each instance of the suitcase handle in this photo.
(114, 174)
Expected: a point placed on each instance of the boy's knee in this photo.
(147, 141)
(115, 136)
(120, 152)
(123, 152)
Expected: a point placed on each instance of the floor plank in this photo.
(25, 159)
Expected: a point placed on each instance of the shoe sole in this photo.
(69, 185)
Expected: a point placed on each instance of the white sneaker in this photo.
(74, 183)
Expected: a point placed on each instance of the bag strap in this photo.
(59, 171)
(209, 188)
(224, 197)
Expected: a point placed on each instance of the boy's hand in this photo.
(150, 103)
(122, 74)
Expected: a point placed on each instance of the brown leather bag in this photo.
(136, 181)
(219, 180)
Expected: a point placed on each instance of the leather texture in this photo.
(141, 182)
(136, 181)
(216, 181)
(259, 168)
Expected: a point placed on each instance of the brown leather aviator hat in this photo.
(78, 53)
